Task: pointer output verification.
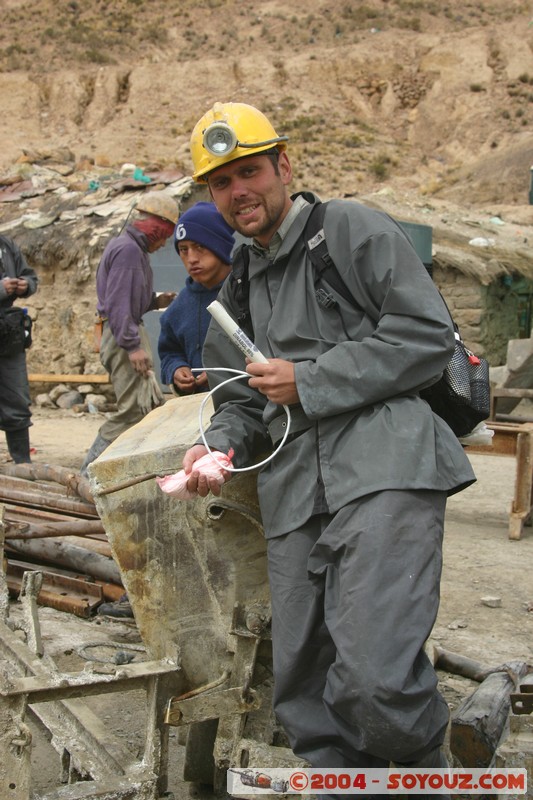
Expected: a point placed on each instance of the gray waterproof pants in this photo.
(354, 598)
(126, 384)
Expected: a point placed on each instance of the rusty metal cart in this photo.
(195, 574)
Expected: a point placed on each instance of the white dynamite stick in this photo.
(237, 336)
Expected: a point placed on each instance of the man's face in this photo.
(158, 243)
(202, 264)
(251, 196)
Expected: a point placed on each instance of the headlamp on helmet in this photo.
(221, 140)
(230, 131)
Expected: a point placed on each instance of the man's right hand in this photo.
(140, 361)
(201, 484)
(10, 285)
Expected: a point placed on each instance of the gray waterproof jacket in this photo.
(361, 426)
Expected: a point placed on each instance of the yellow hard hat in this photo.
(160, 204)
(229, 131)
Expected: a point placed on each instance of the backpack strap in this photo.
(324, 269)
(240, 288)
(324, 266)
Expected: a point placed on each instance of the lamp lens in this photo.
(219, 140)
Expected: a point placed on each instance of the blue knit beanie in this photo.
(205, 225)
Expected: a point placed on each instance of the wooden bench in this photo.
(38, 377)
(497, 393)
(514, 439)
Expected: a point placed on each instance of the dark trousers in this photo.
(15, 399)
(354, 598)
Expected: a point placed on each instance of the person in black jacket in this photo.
(17, 280)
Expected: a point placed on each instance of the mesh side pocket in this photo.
(457, 374)
(480, 386)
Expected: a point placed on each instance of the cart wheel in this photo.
(199, 764)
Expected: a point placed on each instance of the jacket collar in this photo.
(197, 288)
(288, 232)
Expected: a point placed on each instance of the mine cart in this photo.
(195, 574)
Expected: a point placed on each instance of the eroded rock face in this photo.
(419, 91)
(62, 232)
(425, 112)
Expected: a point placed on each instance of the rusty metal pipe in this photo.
(54, 474)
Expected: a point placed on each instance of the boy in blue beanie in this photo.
(204, 242)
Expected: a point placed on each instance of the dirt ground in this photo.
(480, 562)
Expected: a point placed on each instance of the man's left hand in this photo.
(22, 287)
(140, 361)
(275, 380)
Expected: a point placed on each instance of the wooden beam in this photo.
(43, 377)
(478, 723)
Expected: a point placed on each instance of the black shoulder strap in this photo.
(240, 288)
(325, 269)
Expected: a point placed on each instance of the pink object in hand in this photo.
(176, 485)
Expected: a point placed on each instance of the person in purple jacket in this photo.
(204, 242)
(125, 292)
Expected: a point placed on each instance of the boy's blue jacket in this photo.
(184, 327)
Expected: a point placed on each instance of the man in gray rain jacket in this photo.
(353, 505)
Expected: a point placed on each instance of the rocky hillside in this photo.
(430, 97)
(418, 107)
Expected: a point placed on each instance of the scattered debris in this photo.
(480, 241)
(492, 602)
(457, 623)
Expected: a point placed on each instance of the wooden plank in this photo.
(503, 444)
(43, 377)
(110, 591)
(504, 441)
(512, 392)
(524, 475)
(66, 685)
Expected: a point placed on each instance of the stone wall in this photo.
(63, 307)
(487, 316)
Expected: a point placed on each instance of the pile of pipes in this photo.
(51, 525)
